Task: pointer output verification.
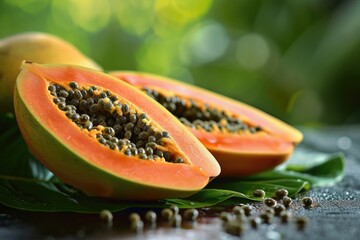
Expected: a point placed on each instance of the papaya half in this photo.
(243, 139)
(36, 47)
(105, 137)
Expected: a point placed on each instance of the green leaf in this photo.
(326, 173)
(27, 185)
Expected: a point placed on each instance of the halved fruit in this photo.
(244, 140)
(105, 137)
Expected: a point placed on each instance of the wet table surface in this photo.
(335, 216)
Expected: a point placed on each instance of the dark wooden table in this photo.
(335, 216)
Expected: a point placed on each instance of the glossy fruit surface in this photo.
(264, 143)
(74, 154)
(33, 47)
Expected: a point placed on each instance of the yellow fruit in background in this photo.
(33, 47)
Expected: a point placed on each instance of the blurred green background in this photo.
(295, 59)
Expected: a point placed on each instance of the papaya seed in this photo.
(128, 134)
(106, 215)
(142, 156)
(301, 222)
(83, 104)
(191, 214)
(103, 95)
(110, 131)
(61, 105)
(56, 100)
(278, 209)
(266, 217)
(167, 213)
(71, 93)
(307, 202)
(255, 222)
(108, 106)
(285, 216)
(128, 152)
(150, 216)
(137, 226)
(63, 93)
(134, 217)
(247, 209)
(133, 118)
(125, 108)
(141, 150)
(151, 139)
(259, 193)
(269, 210)
(270, 202)
(51, 88)
(84, 118)
(75, 117)
(179, 160)
(280, 193)
(287, 201)
(159, 153)
(226, 216)
(234, 227)
(73, 85)
(77, 94)
(149, 151)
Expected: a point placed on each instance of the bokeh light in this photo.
(296, 60)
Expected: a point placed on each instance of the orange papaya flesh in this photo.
(72, 151)
(259, 142)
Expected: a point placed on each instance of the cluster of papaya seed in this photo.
(278, 206)
(171, 216)
(116, 123)
(201, 116)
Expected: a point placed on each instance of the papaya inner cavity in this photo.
(199, 115)
(114, 122)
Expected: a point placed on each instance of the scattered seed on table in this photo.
(301, 222)
(259, 193)
(137, 226)
(150, 216)
(134, 217)
(167, 214)
(270, 202)
(278, 209)
(191, 214)
(287, 201)
(285, 216)
(106, 215)
(234, 227)
(248, 209)
(281, 193)
(307, 201)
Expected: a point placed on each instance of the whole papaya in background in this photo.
(33, 47)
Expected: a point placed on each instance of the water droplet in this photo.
(344, 143)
